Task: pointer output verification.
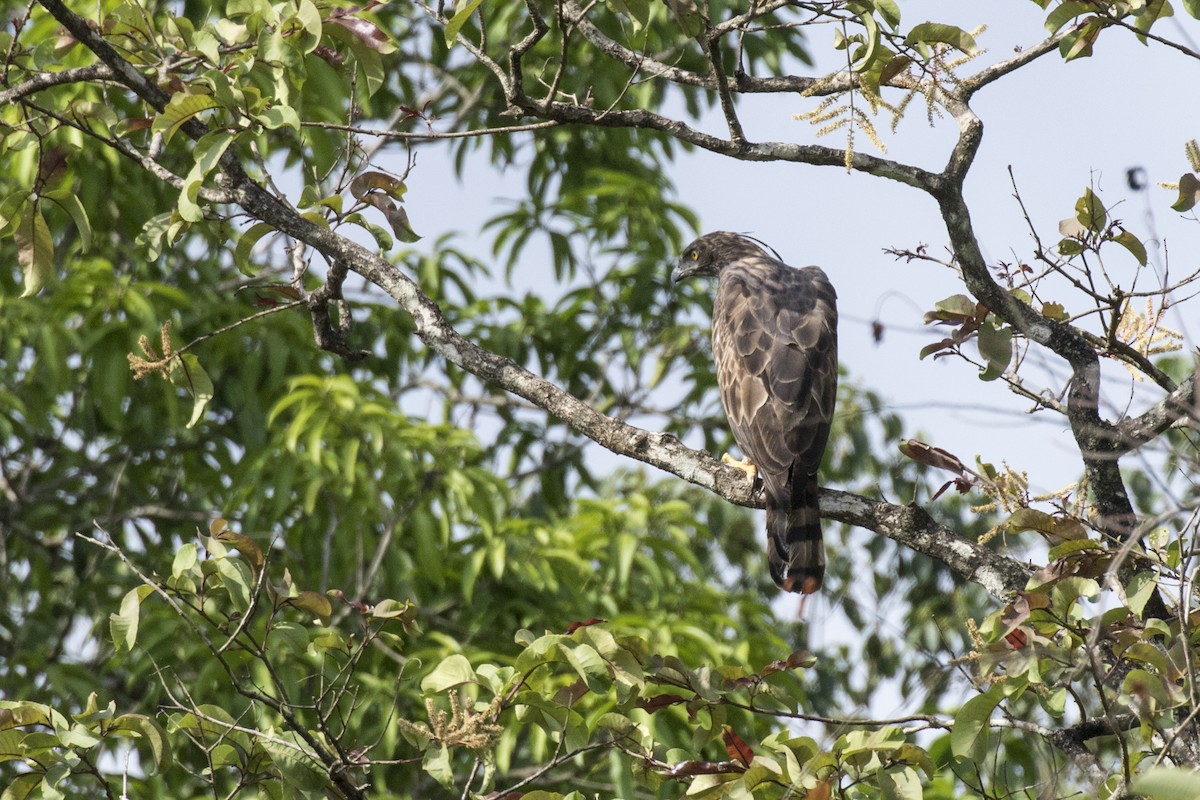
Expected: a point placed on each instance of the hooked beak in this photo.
(682, 271)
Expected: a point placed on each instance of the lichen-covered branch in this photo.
(46, 80)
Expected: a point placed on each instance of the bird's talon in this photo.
(744, 464)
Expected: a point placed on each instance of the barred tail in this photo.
(795, 548)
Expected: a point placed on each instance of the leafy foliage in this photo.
(376, 567)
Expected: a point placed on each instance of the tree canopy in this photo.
(297, 503)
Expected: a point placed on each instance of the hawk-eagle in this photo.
(774, 340)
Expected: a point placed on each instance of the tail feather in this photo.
(795, 547)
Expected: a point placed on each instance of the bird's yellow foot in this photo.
(744, 465)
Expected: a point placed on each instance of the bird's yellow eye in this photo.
(695, 254)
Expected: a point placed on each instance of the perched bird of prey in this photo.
(774, 340)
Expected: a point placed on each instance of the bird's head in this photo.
(711, 253)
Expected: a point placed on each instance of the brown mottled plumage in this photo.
(774, 340)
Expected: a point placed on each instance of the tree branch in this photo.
(45, 80)
(1178, 404)
(987, 75)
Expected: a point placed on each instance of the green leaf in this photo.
(187, 372)
(454, 670)
(688, 15)
(1070, 247)
(1133, 245)
(236, 577)
(23, 786)
(996, 348)
(1079, 44)
(900, 784)
(1090, 212)
(11, 208)
(888, 11)
(35, 249)
(1068, 591)
(638, 11)
(182, 107)
(123, 625)
(952, 35)
(1064, 549)
(1057, 528)
(153, 233)
(864, 56)
(1150, 13)
(1189, 191)
(590, 666)
(245, 246)
(461, 15)
(367, 60)
(971, 730)
(149, 731)
(1167, 783)
(437, 764)
(952, 308)
(185, 560)
(66, 199)
(1192, 7)
(279, 116)
(313, 603)
(208, 152)
(1141, 587)
(309, 17)
(393, 609)
(1065, 12)
(1055, 311)
(288, 639)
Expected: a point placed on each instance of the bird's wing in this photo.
(775, 347)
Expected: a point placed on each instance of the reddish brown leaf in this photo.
(932, 456)
(822, 791)
(330, 56)
(659, 701)
(574, 626)
(737, 749)
(51, 168)
(136, 124)
(1016, 638)
(569, 695)
(357, 605)
(961, 485)
(937, 347)
(244, 545)
(311, 602)
(367, 32)
(374, 181)
(799, 658)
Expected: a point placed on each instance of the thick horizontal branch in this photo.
(417, 136)
(46, 80)
(912, 526)
(744, 151)
(1179, 404)
(987, 75)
